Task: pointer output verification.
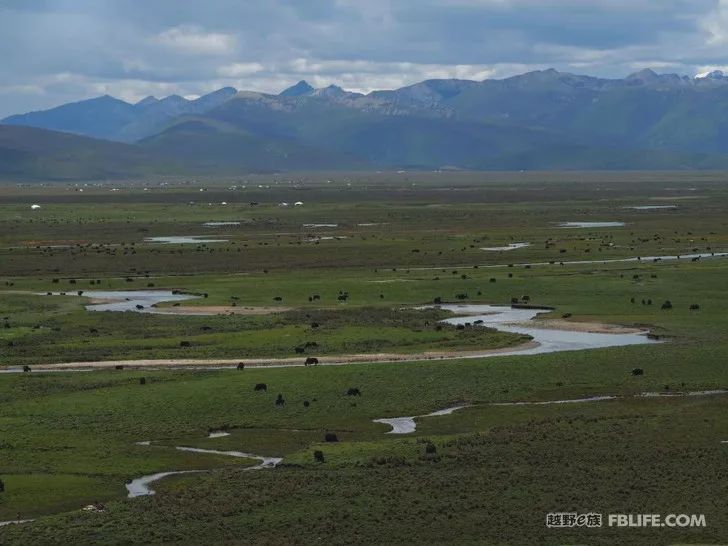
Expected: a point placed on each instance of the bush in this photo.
(430, 448)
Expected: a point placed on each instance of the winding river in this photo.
(545, 340)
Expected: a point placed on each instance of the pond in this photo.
(511, 246)
(652, 207)
(183, 240)
(139, 301)
(590, 224)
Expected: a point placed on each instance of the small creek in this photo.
(139, 487)
(407, 425)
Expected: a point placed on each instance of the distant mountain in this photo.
(210, 145)
(113, 119)
(301, 89)
(538, 120)
(30, 153)
(153, 117)
(100, 117)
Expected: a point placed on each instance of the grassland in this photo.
(67, 439)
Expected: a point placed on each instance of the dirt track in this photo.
(339, 360)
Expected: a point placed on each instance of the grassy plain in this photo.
(401, 240)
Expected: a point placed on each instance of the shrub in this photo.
(430, 448)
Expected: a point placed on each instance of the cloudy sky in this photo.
(55, 51)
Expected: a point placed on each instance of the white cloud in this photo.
(239, 70)
(715, 24)
(194, 40)
(68, 50)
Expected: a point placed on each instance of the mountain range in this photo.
(538, 120)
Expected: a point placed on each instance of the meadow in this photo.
(391, 243)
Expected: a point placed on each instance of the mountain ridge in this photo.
(540, 119)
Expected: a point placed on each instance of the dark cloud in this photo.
(59, 50)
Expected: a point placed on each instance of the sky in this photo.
(57, 51)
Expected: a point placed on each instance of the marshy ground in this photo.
(346, 273)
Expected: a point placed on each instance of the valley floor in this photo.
(621, 429)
